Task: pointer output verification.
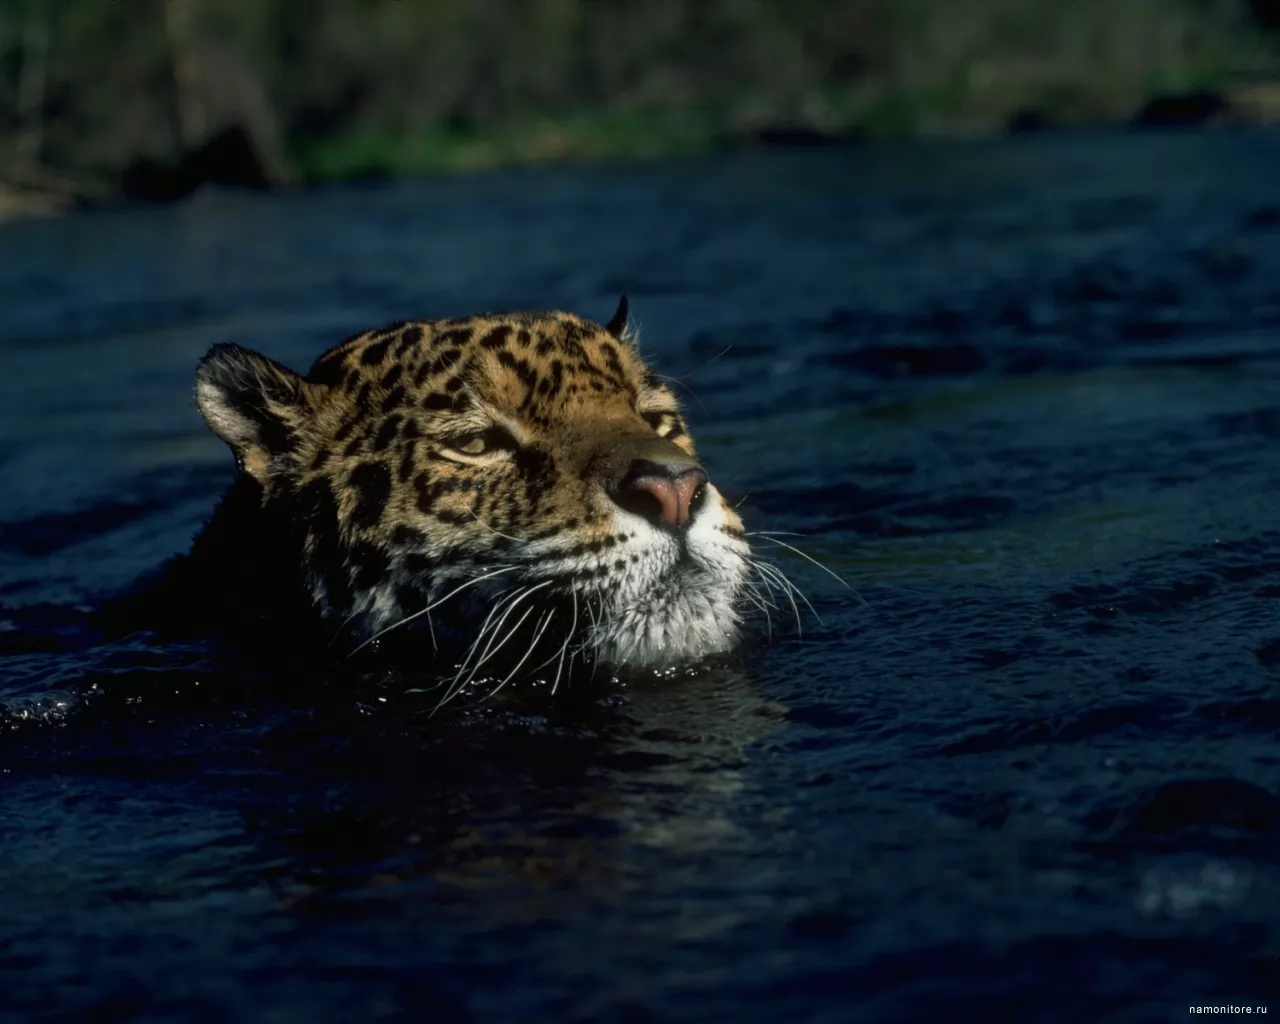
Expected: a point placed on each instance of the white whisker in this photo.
(494, 644)
(434, 604)
(676, 380)
(343, 625)
(794, 589)
(774, 575)
(755, 598)
(504, 536)
(808, 558)
(533, 644)
(501, 643)
(565, 646)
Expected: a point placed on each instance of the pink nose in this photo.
(661, 497)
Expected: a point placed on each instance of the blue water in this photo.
(1022, 395)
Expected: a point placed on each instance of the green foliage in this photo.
(365, 86)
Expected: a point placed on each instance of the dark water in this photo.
(1024, 396)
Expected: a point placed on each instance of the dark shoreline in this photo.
(231, 160)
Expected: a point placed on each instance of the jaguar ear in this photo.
(253, 403)
(620, 325)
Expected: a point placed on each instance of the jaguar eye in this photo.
(483, 441)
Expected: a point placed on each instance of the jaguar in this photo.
(485, 488)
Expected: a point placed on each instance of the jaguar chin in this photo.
(494, 487)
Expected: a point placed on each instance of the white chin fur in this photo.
(686, 629)
(659, 611)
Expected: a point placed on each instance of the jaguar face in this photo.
(507, 485)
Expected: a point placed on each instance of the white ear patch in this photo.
(247, 400)
(223, 420)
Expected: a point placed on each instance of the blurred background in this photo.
(149, 98)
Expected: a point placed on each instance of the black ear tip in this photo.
(234, 365)
(222, 348)
(220, 355)
(618, 325)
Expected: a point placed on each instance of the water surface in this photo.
(1022, 395)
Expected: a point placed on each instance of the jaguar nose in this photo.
(667, 495)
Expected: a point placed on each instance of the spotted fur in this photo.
(422, 474)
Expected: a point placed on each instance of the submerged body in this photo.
(496, 482)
